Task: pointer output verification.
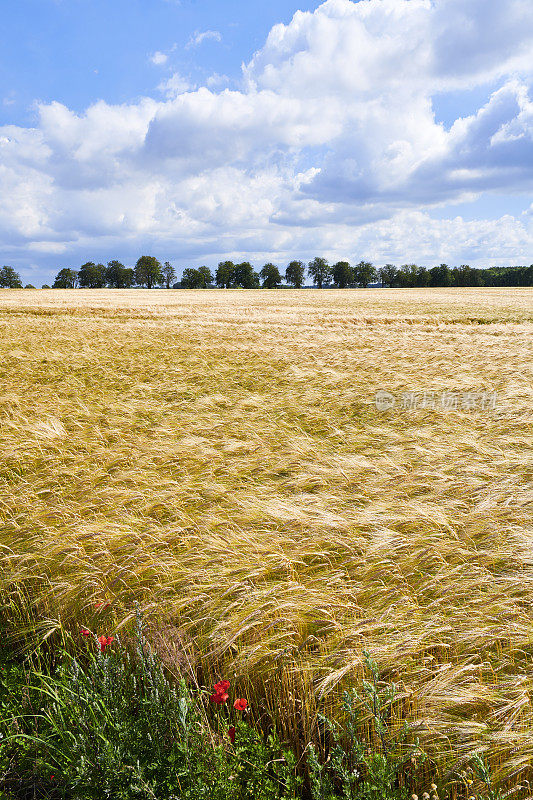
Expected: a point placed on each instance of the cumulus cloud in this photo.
(159, 58)
(331, 145)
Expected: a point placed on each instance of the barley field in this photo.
(218, 456)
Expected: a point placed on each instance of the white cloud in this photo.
(216, 80)
(159, 58)
(175, 85)
(201, 36)
(331, 146)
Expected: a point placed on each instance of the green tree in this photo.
(91, 275)
(422, 277)
(66, 279)
(118, 276)
(245, 277)
(45, 286)
(407, 276)
(191, 278)
(342, 274)
(465, 276)
(388, 275)
(168, 273)
(295, 273)
(364, 273)
(440, 276)
(271, 277)
(320, 271)
(206, 277)
(148, 272)
(225, 276)
(9, 279)
(29, 286)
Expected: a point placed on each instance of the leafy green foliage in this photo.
(9, 279)
(92, 276)
(245, 277)
(270, 276)
(168, 274)
(364, 273)
(148, 271)
(320, 271)
(295, 273)
(196, 278)
(225, 274)
(343, 274)
(115, 727)
(66, 279)
(359, 769)
(118, 276)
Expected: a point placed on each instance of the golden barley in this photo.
(219, 456)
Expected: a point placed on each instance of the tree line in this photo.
(149, 272)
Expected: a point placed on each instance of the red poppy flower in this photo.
(221, 687)
(219, 699)
(240, 704)
(85, 632)
(231, 733)
(105, 641)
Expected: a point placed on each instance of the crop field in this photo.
(219, 457)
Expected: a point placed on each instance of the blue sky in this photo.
(394, 130)
(79, 51)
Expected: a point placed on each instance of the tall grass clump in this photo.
(383, 766)
(112, 725)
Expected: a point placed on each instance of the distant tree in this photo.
(169, 274)
(66, 279)
(295, 273)
(364, 273)
(407, 276)
(476, 277)
(92, 276)
(320, 271)
(466, 276)
(270, 276)
(422, 277)
(245, 277)
(148, 272)
(191, 279)
(343, 274)
(388, 275)
(129, 278)
(507, 276)
(117, 276)
(440, 276)
(225, 276)
(29, 286)
(9, 279)
(206, 277)
(45, 286)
